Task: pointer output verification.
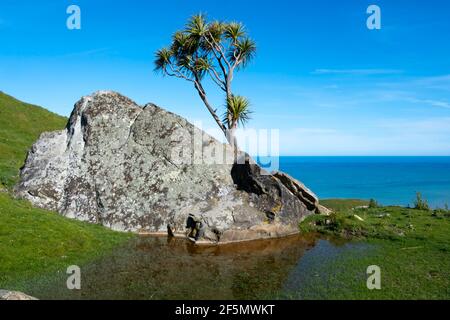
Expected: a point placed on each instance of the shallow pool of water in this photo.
(167, 268)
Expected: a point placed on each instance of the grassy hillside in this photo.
(20, 126)
(411, 246)
(36, 242)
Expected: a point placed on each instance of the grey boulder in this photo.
(14, 295)
(144, 169)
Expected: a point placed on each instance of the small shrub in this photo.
(373, 204)
(443, 212)
(421, 203)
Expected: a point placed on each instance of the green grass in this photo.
(343, 204)
(34, 242)
(20, 126)
(412, 248)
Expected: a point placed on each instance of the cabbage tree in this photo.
(211, 51)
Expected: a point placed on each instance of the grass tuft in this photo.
(421, 203)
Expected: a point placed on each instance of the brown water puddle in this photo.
(169, 268)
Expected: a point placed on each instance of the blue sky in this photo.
(329, 84)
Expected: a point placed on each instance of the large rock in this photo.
(145, 169)
(14, 295)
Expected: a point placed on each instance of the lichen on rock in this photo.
(144, 169)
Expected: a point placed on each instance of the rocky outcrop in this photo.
(299, 190)
(144, 169)
(14, 295)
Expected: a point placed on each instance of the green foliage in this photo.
(421, 203)
(36, 242)
(20, 125)
(234, 31)
(245, 48)
(441, 212)
(343, 204)
(238, 111)
(378, 222)
(218, 44)
(411, 246)
(210, 49)
(373, 203)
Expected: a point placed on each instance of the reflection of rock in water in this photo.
(162, 268)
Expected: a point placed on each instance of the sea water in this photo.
(389, 180)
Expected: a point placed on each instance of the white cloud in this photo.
(434, 103)
(385, 137)
(409, 96)
(357, 71)
(441, 82)
(430, 126)
(331, 86)
(438, 82)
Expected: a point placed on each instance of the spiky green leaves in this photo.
(162, 59)
(197, 26)
(216, 30)
(227, 43)
(183, 44)
(234, 31)
(245, 51)
(238, 111)
(215, 49)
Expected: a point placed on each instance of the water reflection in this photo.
(163, 268)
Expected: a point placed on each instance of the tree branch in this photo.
(202, 93)
(218, 58)
(215, 77)
(222, 54)
(216, 45)
(176, 72)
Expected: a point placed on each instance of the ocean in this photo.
(389, 180)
